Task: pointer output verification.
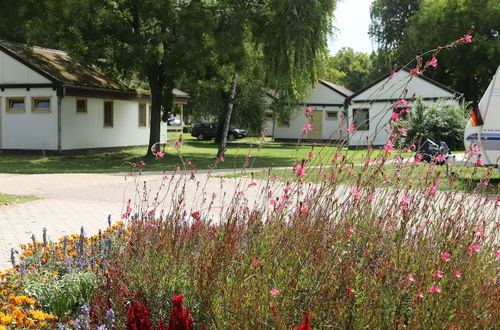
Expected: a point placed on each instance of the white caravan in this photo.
(486, 137)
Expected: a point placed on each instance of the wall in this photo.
(14, 72)
(380, 115)
(86, 130)
(28, 130)
(322, 99)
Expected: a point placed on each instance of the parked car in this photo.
(207, 131)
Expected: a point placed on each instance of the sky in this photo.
(352, 18)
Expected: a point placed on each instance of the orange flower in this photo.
(7, 319)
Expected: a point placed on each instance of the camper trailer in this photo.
(482, 132)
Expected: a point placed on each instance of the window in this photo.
(362, 119)
(332, 115)
(15, 104)
(108, 113)
(142, 115)
(284, 123)
(40, 104)
(81, 105)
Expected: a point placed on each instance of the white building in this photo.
(327, 104)
(370, 109)
(49, 102)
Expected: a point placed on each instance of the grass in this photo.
(200, 153)
(465, 179)
(8, 199)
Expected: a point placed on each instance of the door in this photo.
(317, 125)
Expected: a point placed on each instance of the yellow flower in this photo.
(39, 315)
(2, 327)
(7, 319)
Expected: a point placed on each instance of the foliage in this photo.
(348, 68)
(436, 122)
(61, 296)
(410, 27)
(9, 199)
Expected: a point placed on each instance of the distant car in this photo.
(207, 131)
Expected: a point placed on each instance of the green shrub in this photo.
(62, 295)
(436, 122)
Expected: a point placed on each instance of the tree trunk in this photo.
(156, 97)
(229, 111)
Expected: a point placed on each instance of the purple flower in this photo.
(110, 318)
(44, 236)
(13, 258)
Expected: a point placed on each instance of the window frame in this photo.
(15, 98)
(145, 115)
(85, 108)
(330, 118)
(112, 114)
(367, 122)
(34, 99)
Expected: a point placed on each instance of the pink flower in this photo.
(252, 184)
(407, 110)
(440, 158)
(410, 278)
(387, 180)
(300, 171)
(308, 111)
(445, 256)
(371, 197)
(177, 144)
(392, 75)
(403, 131)
(356, 192)
(288, 188)
(474, 248)
(307, 128)
(311, 154)
(349, 291)
(159, 154)
(433, 62)
(255, 261)
(479, 162)
(395, 116)
(467, 39)
(457, 274)
(177, 168)
(303, 209)
(414, 72)
(497, 255)
(220, 159)
(438, 274)
(401, 103)
(165, 177)
(272, 201)
(275, 292)
(389, 146)
(351, 129)
(434, 289)
(420, 294)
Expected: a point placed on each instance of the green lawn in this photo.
(7, 199)
(467, 179)
(200, 153)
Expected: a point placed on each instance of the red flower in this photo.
(306, 325)
(138, 317)
(196, 215)
(179, 317)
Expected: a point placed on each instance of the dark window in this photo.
(81, 106)
(362, 119)
(41, 104)
(332, 115)
(108, 114)
(142, 115)
(15, 104)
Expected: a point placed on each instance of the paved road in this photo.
(69, 201)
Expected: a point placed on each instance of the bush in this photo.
(437, 123)
(62, 295)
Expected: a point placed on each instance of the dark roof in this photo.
(429, 80)
(58, 67)
(340, 89)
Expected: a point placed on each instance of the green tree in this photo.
(348, 68)
(468, 68)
